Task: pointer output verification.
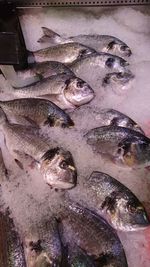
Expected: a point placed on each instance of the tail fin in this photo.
(50, 37)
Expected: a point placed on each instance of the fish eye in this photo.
(80, 84)
(63, 164)
(123, 47)
(109, 62)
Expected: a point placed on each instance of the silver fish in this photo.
(101, 43)
(111, 199)
(118, 78)
(64, 53)
(36, 111)
(122, 145)
(55, 163)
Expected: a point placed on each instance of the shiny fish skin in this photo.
(113, 200)
(90, 232)
(43, 245)
(116, 118)
(43, 70)
(55, 163)
(11, 249)
(38, 111)
(102, 60)
(64, 53)
(122, 145)
(101, 43)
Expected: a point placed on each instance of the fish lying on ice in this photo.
(99, 60)
(64, 53)
(122, 145)
(108, 197)
(36, 111)
(55, 163)
(68, 91)
(43, 245)
(43, 70)
(92, 234)
(11, 249)
(116, 118)
(101, 43)
(122, 79)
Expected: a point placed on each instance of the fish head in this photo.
(58, 168)
(118, 78)
(119, 47)
(127, 213)
(116, 63)
(78, 92)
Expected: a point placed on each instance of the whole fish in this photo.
(118, 78)
(111, 199)
(36, 111)
(116, 118)
(101, 43)
(3, 170)
(92, 234)
(122, 145)
(43, 245)
(101, 60)
(11, 249)
(69, 90)
(43, 70)
(55, 163)
(76, 257)
(64, 53)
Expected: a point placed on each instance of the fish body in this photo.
(116, 118)
(92, 234)
(64, 53)
(55, 163)
(38, 111)
(111, 199)
(11, 249)
(43, 70)
(71, 91)
(100, 60)
(101, 43)
(43, 245)
(122, 145)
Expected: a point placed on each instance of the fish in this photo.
(118, 78)
(121, 145)
(92, 234)
(101, 43)
(3, 169)
(99, 60)
(43, 70)
(68, 91)
(116, 118)
(43, 244)
(77, 257)
(55, 164)
(11, 248)
(36, 111)
(64, 53)
(112, 200)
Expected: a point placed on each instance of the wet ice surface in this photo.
(28, 197)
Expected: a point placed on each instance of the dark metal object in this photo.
(12, 45)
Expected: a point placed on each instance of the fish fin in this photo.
(20, 165)
(50, 37)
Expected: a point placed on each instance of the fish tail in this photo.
(50, 36)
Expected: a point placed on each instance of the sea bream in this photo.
(55, 163)
(122, 79)
(43, 245)
(34, 111)
(64, 53)
(66, 90)
(101, 43)
(121, 145)
(43, 70)
(11, 249)
(116, 118)
(79, 226)
(111, 199)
